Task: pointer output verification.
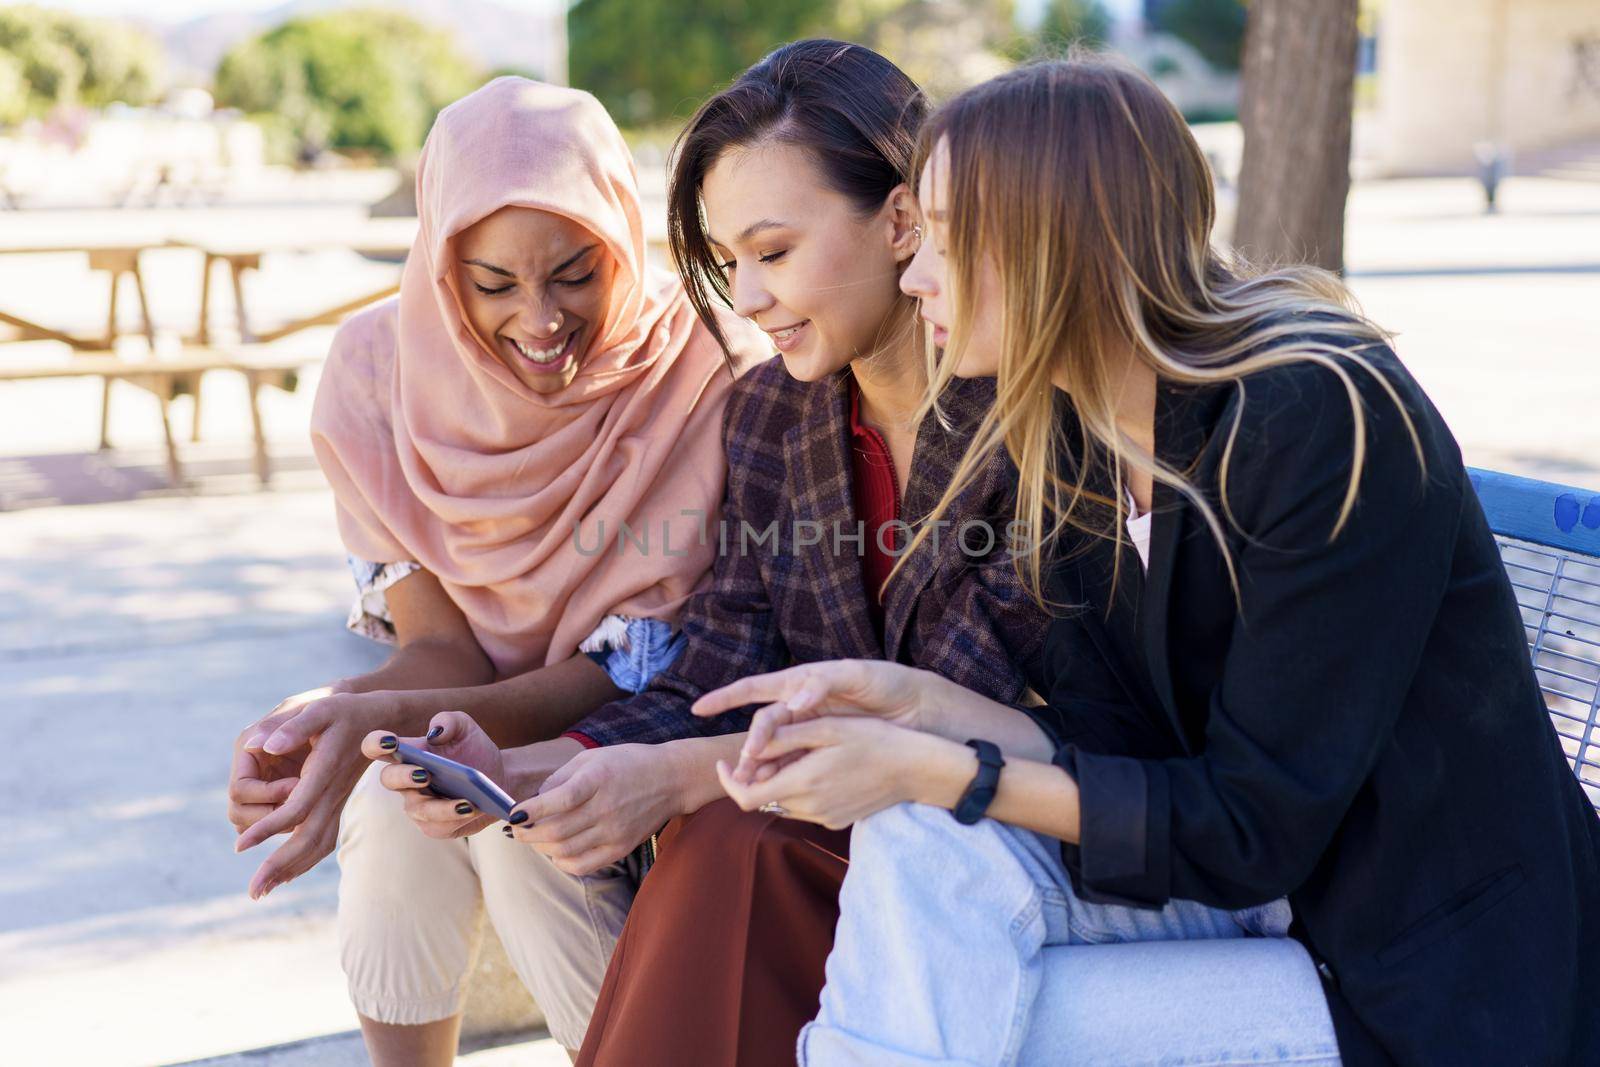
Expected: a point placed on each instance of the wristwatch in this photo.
(975, 801)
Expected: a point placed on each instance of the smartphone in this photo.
(457, 781)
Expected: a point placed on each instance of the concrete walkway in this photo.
(136, 640)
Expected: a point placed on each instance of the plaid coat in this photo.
(781, 601)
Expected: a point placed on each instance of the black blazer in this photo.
(1365, 737)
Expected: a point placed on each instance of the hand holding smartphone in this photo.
(457, 781)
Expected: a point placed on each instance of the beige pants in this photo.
(409, 909)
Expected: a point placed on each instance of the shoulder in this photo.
(364, 344)
(354, 386)
(1330, 386)
(1292, 435)
(766, 400)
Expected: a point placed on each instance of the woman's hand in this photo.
(899, 695)
(293, 771)
(837, 770)
(453, 735)
(258, 783)
(601, 804)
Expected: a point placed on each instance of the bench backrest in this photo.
(1549, 537)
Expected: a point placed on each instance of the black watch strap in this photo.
(975, 801)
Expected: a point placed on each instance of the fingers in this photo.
(557, 798)
(562, 847)
(840, 677)
(254, 801)
(256, 791)
(439, 811)
(285, 817)
(311, 843)
(379, 745)
(448, 727)
(770, 767)
(244, 816)
(299, 729)
(781, 788)
(756, 689)
(799, 737)
(762, 725)
(553, 829)
(266, 728)
(403, 777)
(246, 768)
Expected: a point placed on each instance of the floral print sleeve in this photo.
(369, 615)
(631, 651)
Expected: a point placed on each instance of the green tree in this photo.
(1214, 27)
(1065, 22)
(1075, 20)
(651, 61)
(360, 79)
(68, 59)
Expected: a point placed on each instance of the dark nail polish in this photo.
(518, 818)
(507, 831)
(419, 776)
(435, 732)
(463, 808)
(388, 742)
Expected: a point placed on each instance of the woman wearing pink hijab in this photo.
(535, 389)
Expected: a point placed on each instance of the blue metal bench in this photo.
(1549, 537)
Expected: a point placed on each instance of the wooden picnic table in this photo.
(173, 375)
(169, 378)
(119, 260)
(241, 257)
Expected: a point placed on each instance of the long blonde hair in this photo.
(1084, 187)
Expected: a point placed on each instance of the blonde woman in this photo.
(1295, 759)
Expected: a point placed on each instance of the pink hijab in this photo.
(438, 454)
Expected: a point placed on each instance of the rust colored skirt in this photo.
(721, 960)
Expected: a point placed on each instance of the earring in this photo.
(916, 231)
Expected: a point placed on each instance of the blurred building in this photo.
(1455, 76)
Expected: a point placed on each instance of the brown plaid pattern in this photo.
(787, 442)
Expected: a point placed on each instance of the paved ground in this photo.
(135, 640)
(138, 634)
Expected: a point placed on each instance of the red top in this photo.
(876, 491)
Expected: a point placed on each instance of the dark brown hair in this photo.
(854, 110)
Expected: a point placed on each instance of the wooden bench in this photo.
(1549, 537)
(169, 378)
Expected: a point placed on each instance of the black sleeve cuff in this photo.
(1122, 856)
(1046, 719)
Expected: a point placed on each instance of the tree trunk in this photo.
(1298, 82)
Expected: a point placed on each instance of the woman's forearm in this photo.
(694, 767)
(527, 708)
(959, 714)
(689, 766)
(1033, 795)
(426, 663)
